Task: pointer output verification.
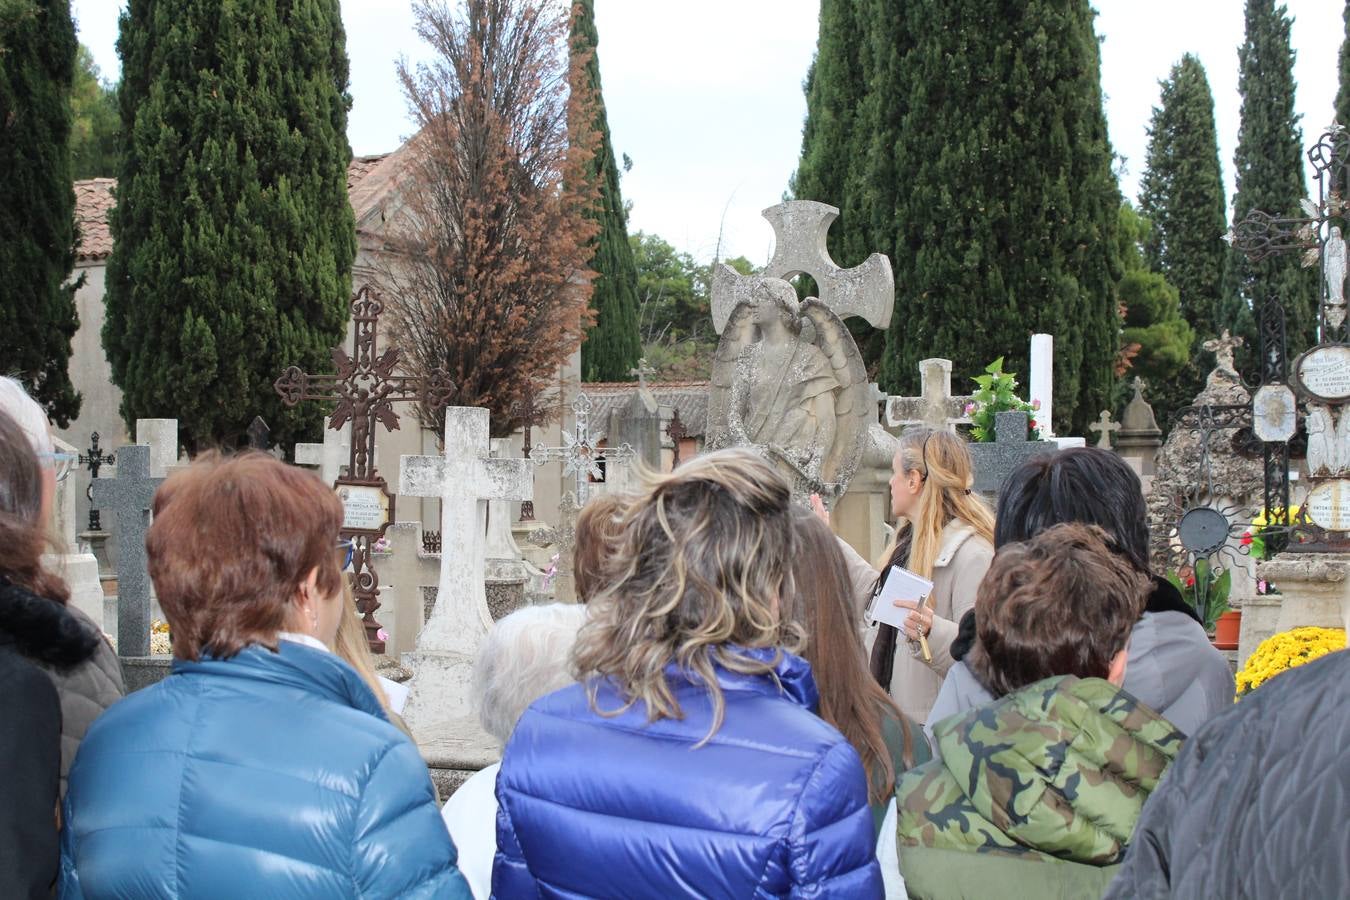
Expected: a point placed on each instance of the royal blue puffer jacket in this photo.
(265, 775)
(774, 805)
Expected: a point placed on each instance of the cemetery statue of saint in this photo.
(788, 375)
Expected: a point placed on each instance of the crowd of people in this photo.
(717, 718)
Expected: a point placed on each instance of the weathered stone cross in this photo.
(1222, 347)
(563, 535)
(994, 462)
(465, 478)
(642, 372)
(128, 497)
(1104, 428)
(935, 406)
(800, 228)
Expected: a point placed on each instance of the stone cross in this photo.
(465, 478)
(1104, 428)
(161, 436)
(580, 456)
(1222, 347)
(935, 407)
(641, 373)
(995, 461)
(129, 497)
(800, 229)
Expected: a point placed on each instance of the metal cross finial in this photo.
(365, 388)
(641, 373)
(580, 455)
(94, 460)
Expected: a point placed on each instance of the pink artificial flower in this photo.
(970, 408)
(1261, 587)
(1035, 404)
(381, 634)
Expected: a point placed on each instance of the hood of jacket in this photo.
(1060, 768)
(43, 630)
(788, 675)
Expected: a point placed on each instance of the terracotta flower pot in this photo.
(1226, 630)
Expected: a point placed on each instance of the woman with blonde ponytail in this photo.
(945, 534)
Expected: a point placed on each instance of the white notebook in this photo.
(901, 584)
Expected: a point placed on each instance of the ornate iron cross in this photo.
(531, 413)
(365, 389)
(580, 456)
(93, 460)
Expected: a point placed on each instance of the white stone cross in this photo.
(1104, 428)
(128, 497)
(800, 229)
(935, 407)
(580, 456)
(465, 478)
(161, 436)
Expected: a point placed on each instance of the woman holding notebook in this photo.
(944, 536)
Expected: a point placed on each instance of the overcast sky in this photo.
(705, 95)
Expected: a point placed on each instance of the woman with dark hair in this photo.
(37, 632)
(263, 766)
(887, 740)
(80, 663)
(1173, 667)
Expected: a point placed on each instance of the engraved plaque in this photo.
(1328, 505)
(1324, 372)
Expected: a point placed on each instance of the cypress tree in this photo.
(37, 202)
(234, 239)
(1269, 166)
(1181, 195)
(1343, 95)
(1155, 330)
(1007, 208)
(612, 344)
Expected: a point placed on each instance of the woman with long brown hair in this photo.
(887, 740)
(946, 535)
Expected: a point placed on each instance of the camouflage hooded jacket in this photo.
(1049, 776)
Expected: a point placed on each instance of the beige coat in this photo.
(961, 563)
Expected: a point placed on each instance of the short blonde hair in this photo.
(526, 655)
(702, 569)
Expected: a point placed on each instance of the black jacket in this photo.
(30, 754)
(1256, 804)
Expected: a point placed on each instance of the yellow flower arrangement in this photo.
(1286, 650)
(160, 642)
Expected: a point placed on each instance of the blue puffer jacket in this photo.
(774, 805)
(265, 775)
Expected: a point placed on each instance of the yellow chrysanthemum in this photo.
(1286, 650)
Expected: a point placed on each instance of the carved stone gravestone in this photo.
(127, 499)
(1104, 428)
(935, 407)
(465, 478)
(996, 460)
(788, 379)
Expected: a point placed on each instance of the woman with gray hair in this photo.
(525, 656)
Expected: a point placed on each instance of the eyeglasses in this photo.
(62, 463)
(346, 547)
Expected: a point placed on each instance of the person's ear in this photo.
(915, 481)
(1116, 673)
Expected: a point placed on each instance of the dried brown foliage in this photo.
(488, 271)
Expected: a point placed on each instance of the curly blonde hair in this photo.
(702, 572)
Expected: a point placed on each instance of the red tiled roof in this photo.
(94, 197)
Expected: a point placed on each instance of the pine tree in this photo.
(1269, 166)
(1343, 95)
(94, 142)
(1006, 214)
(37, 231)
(234, 239)
(612, 346)
(1181, 196)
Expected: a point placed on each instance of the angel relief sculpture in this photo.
(788, 380)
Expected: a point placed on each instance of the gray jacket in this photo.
(1172, 668)
(85, 691)
(1255, 804)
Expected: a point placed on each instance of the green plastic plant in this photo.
(998, 393)
(1205, 589)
